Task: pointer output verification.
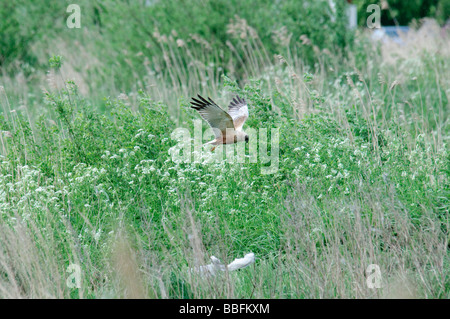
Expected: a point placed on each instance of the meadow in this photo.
(87, 177)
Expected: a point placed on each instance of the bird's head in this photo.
(246, 138)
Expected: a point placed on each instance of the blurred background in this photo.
(126, 45)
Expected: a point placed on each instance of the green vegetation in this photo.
(87, 176)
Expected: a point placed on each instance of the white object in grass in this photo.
(216, 264)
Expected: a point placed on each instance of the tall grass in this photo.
(363, 178)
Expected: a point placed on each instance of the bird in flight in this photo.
(227, 126)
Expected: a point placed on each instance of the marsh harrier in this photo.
(227, 126)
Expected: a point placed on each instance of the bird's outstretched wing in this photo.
(213, 114)
(238, 111)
